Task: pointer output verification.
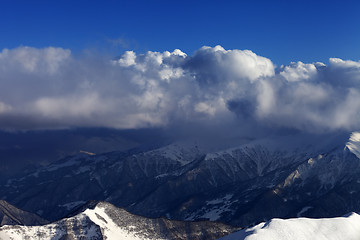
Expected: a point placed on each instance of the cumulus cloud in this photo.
(51, 88)
(298, 71)
(314, 97)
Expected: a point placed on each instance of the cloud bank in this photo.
(50, 88)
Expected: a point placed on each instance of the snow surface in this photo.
(53, 231)
(341, 228)
(312, 144)
(354, 143)
(180, 152)
(109, 228)
(107, 225)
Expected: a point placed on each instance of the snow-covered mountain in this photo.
(119, 177)
(105, 221)
(347, 227)
(10, 215)
(277, 176)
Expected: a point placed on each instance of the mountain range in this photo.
(283, 176)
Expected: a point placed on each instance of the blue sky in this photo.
(283, 31)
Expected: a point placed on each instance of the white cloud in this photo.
(69, 106)
(266, 98)
(47, 60)
(128, 59)
(298, 71)
(339, 63)
(217, 65)
(206, 108)
(51, 88)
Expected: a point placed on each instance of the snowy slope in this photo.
(78, 227)
(341, 228)
(109, 228)
(10, 215)
(105, 221)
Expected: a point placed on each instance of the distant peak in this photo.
(354, 143)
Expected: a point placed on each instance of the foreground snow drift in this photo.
(303, 229)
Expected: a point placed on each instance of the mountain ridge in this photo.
(105, 221)
(265, 178)
(10, 215)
